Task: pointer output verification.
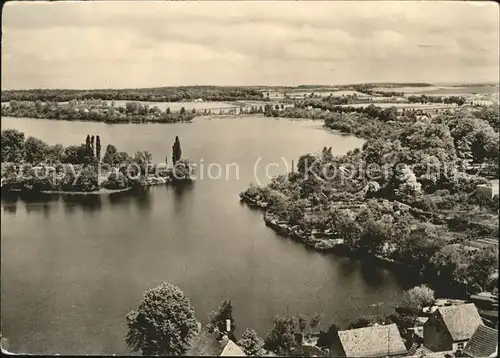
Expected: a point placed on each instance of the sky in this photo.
(135, 44)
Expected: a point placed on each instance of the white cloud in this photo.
(138, 44)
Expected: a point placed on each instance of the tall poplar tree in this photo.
(176, 151)
(98, 148)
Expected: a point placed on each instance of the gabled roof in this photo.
(312, 351)
(372, 341)
(461, 320)
(211, 342)
(483, 343)
(418, 350)
(444, 354)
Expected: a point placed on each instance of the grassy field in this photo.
(401, 105)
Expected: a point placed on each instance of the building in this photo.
(211, 342)
(446, 354)
(374, 341)
(483, 343)
(488, 191)
(479, 102)
(450, 327)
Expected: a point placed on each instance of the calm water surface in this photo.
(73, 267)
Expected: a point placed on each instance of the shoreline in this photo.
(102, 191)
(98, 121)
(325, 246)
(285, 229)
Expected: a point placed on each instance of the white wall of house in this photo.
(459, 345)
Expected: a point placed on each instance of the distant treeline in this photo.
(95, 110)
(160, 94)
(437, 99)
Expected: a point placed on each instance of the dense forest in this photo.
(160, 94)
(95, 110)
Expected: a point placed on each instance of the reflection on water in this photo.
(182, 187)
(86, 202)
(44, 202)
(373, 277)
(143, 199)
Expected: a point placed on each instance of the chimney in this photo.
(228, 325)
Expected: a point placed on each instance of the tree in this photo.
(221, 315)
(164, 323)
(132, 107)
(450, 264)
(143, 159)
(281, 337)
(88, 144)
(302, 322)
(183, 170)
(4, 343)
(375, 234)
(75, 154)
(418, 297)
(92, 147)
(315, 320)
(12, 143)
(251, 343)
(183, 111)
(98, 148)
(328, 338)
(417, 246)
(402, 321)
(109, 155)
(481, 267)
(55, 154)
(35, 150)
(176, 150)
(87, 180)
(366, 321)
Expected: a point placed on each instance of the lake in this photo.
(72, 267)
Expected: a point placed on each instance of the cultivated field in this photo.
(442, 90)
(402, 105)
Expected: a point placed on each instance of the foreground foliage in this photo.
(163, 324)
(408, 195)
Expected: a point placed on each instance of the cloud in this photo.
(141, 44)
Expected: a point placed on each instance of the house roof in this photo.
(461, 320)
(211, 342)
(483, 343)
(444, 354)
(372, 341)
(312, 351)
(418, 350)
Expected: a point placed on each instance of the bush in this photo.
(418, 297)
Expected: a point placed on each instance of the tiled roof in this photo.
(232, 350)
(210, 342)
(372, 341)
(483, 343)
(312, 351)
(418, 349)
(461, 320)
(445, 354)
